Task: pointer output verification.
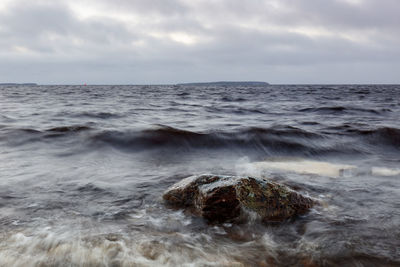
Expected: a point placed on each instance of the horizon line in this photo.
(179, 84)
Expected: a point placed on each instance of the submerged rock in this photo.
(225, 198)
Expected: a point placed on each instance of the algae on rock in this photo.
(225, 198)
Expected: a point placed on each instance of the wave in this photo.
(99, 115)
(385, 135)
(90, 114)
(164, 136)
(21, 136)
(68, 129)
(233, 99)
(231, 109)
(280, 140)
(342, 109)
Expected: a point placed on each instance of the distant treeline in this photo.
(227, 83)
(18, 84)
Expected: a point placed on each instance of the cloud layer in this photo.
(168, 41)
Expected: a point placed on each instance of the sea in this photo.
(83, 170)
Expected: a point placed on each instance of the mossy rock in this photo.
(227, 198)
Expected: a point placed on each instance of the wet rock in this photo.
(226, 198)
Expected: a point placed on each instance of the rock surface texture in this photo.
(226, 198)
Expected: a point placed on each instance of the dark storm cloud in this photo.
(170, 41)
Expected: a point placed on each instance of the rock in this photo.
(226, 198)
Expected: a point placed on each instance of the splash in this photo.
(384, 171)
(298, 165)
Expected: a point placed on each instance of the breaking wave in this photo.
(278, 139)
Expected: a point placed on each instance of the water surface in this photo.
(83, 169)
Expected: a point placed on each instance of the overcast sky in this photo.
(171, 41)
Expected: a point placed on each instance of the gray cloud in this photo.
(162, 7)
(164, 41)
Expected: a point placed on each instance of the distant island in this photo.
(227, 83)
(12, 84)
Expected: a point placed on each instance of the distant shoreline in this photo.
(226, 83)
(31, 84)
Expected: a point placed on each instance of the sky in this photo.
(174, 41)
